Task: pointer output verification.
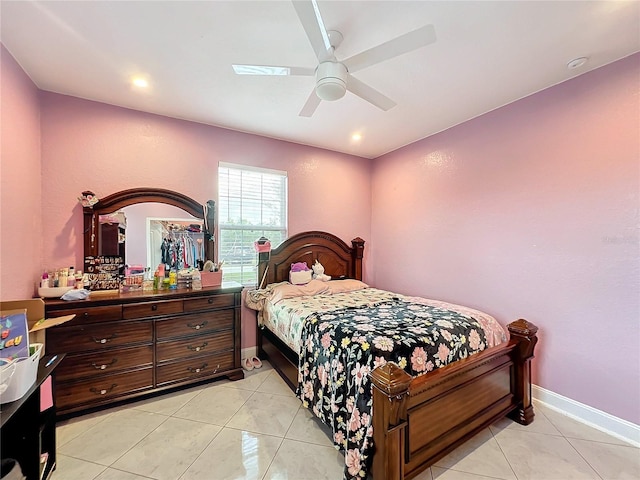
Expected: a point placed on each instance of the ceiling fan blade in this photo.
(310, 107)
(273, 70)
(398, 46)
(369, 94)
(311, 20)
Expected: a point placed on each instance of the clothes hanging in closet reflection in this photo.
(181, 250)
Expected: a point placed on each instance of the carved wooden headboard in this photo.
(338, 258)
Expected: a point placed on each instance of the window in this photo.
(252, 202)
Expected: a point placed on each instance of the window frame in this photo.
(249, 261)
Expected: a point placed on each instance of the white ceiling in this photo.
(487, 54)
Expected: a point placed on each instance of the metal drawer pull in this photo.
(104, 365)
(210, 300)
(104, 340)
(154, 307)
(198, 348)
(197, 326)
(198, 370)
(103, 391)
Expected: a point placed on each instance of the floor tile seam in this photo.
(138, 442)
(569, 437)
(257, 433)
(310, 443)
(503, 454)
(302, 441)
(169, 414)
(83, 460)
(104, 467)
(236, 412)
(292, 420)
(126, 471)
(174, 415)
(85, 430)
(196, 421)
(528, 431)
(583, 458)
(472, 473)
(201, 453)
(279, 394)
(266, 470)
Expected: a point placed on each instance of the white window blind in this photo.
(252, 202)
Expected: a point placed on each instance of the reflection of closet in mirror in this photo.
(112, 234)
(175, 242)
(138, 249)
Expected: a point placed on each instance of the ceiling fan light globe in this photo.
(331, 81)
(331, 89)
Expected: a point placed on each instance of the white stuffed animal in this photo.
(318, 272)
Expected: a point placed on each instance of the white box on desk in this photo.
(24, 376)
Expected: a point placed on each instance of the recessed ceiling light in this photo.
(356, 137)
(140, 82)
(577, 62)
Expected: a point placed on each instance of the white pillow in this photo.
(300, 278)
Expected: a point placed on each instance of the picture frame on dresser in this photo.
(123, 346)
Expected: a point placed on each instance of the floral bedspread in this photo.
(287, 317)
(340, 348)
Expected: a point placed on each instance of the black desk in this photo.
(26, 432)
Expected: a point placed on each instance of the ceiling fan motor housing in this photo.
(331, 81)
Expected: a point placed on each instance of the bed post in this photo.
(390, 396)
(524, 334)
(357, 253)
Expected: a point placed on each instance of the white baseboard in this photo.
(249, 352)
(614, 426)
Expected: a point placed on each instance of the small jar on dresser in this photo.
(128, 345)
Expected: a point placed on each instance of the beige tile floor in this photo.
(256, 429)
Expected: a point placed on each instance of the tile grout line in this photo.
(138, 442)
(503, 454)
(104, 467)
(206, 423)
(582, 456)
(202, 452)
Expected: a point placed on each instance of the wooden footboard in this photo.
(418, 421)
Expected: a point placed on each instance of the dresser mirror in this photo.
(134, 223)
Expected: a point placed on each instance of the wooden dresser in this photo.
(122, 346)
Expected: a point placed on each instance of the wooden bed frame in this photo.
(416, 421)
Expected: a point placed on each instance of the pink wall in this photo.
(531, 211)
(92, 146)
(21, 229)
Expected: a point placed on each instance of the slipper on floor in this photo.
(247, 364)
(255, 361)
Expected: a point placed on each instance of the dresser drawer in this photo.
(89, 314)
(97, 336)
(107, 361)
(152, 309)
(102, 387)
(194, 346)
(214, 301)
(197, 323)
(194, 368)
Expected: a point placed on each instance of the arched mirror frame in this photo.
(118, 200)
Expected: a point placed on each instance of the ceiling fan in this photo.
(333, 77)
